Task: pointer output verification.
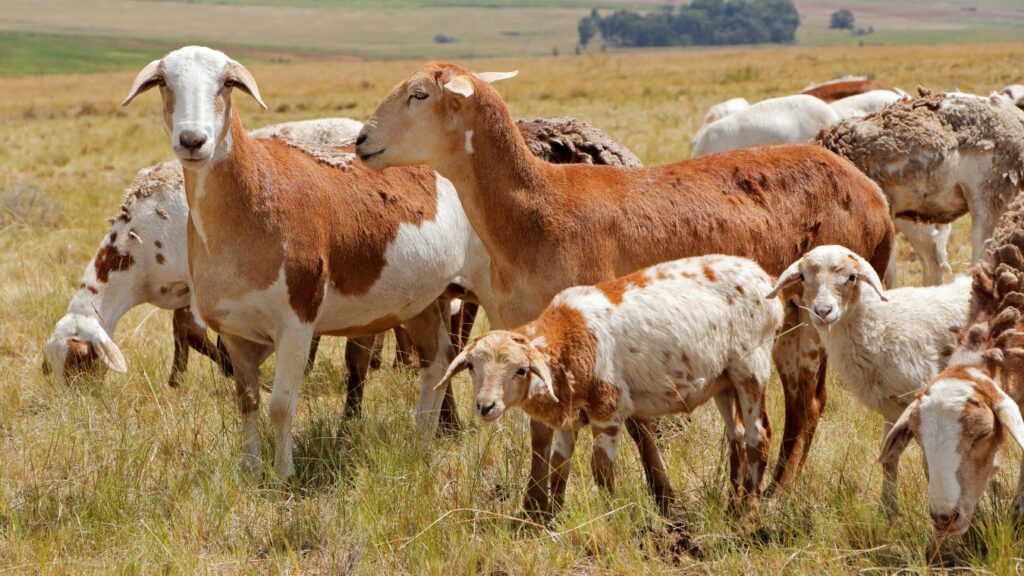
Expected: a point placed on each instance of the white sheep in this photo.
(789, 119)
(1015, 92)
(661, 340)
(860, 105)
(723, 109)
(884, 346)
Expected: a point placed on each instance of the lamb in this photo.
(548, 227)
(884, 346)
(965, 415)
(662, 340)
(796, 118)
(845, 87)
(939, 156)
(860, 105)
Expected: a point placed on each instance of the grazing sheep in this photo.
(964, 417)
(723, 109)
(659, 341)
(845, 87)
(548, 227)
(939, 156)
(789, 119)
(860, 105)
(884, 346)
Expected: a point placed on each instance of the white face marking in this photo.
(195, 77)
(939, 434)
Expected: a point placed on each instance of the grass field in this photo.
(123, 475)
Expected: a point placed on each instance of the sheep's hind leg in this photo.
(890, 500)
(654, 468)
(801, 361)
(190, 335)
(358, 353)
(429, 333)
(246, 359)
(725, 402)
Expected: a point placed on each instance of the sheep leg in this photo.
(890, 502)
(291, 351)
(983, 224)
(311, 359)
(929, 242)
(734, 435)
(246, 359)
(561, 464)
(358, 352)
(188, 334)
(801, 363)
(536, 504)
(376, 350)
(405, 349)
(462, 324)
(750, 394)
(654, 468)
(429, 334)
(606, 447)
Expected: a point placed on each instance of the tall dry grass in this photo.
(123, 475)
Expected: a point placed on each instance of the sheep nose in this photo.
(484, 410)
(192, 140)
(945, 521)
(823, 311)
(361, 138)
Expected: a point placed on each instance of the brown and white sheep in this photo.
(965, 416)
(548, 227)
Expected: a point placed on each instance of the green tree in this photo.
(842, 20)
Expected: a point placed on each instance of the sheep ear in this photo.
(868, 275)
(239, 77)
(1008, 414)
(788, 277)
(460, 85)
(111, 355)
(899, 436)
(149, 76)
(457, 365)
(541, 382)
(492, 77)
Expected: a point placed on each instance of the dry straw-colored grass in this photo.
(125, 475)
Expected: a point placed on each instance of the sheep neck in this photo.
(500, 183)
(106, 305)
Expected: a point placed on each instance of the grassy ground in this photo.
(406, 28)
(124, 475)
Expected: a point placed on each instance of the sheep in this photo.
(939, 156)
(845, 87)
(964, 416)
(548, 227)
(884, 346)
(726, 108)
(286, 242)
(796, 118)
(860, 105)
(662, 340)
(1015, 92)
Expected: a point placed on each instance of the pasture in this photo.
(123, 475)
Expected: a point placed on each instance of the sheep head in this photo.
(507, 370)
(196, 85)
(831, 278)
(425, 119)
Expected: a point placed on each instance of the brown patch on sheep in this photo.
(615, 289)
(709, 273)
(110, 259)
(159, 258)
(158, 244)
(844, 87)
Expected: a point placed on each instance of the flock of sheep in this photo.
(620, 293)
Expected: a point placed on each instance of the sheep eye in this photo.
(851, 278)
(469, 366)
(521, 372)
(419, 96)
(801, 276)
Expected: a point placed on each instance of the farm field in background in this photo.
(125, 475)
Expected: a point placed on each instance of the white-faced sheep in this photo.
(659, 341)
(788, 119)
(967, 414)
(939, 156)
(548, 227)
(884, 346)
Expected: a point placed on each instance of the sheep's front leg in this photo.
(561, 464)
(890, 501)
(535, 503)
(246, 359)
(724, 401)
(429, 333)
(606, 448)
(291, 351)
(801, 362)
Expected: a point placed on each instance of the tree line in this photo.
(702, 23)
